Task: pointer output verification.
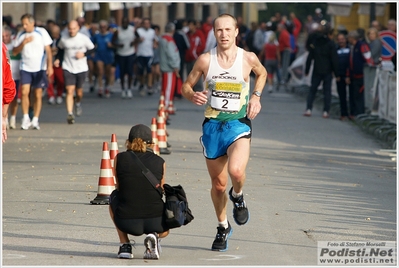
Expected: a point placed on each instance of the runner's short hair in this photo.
(225, 15)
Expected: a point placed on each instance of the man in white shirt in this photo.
(124, 41)
(34, 44)
(145, 53)
(76, 45)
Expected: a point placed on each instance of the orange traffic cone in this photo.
(106, 182)
(161, 133)
(161, 101)
(171, 108)
(154, 135)
(114, 149)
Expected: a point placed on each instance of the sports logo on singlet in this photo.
(225, 96)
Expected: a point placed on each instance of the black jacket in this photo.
(322, 51)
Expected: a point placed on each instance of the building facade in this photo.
(160, 13)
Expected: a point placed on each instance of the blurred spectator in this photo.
(343, 52)
(391, 25)
(242, 31)
(156, 71)
(376, 24)
(91, 59)
(249, 38)
(169, 64)
(34, 45)
(285, 51)
(210, 41)
(318, 16)
(308, 24)
(297, 25)
(7, 21)
(145, 54)
(104, 58)
(124, 42)
(8, 90)
(324, 55)
(82, 27)
(259, 38)
(362, 34)
(207, 26)
(182, 44)
(270, 57)
(360, 55)
(370, 71)
(315, 32)
(57, 79)
(15, 62)
(197, 46)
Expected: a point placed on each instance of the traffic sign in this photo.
(388, 39)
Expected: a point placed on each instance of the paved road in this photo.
(308, 180)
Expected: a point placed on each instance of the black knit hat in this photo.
(140, 131)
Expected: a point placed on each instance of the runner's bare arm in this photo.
(50, 70)
(200, 68)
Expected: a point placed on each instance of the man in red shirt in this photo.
(285, 50)
(197, 45)
(9, 90)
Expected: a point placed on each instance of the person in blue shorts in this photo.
(227, 130)
(104, 57)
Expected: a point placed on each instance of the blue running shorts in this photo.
(217, 136)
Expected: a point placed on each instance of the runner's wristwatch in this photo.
(257, 94)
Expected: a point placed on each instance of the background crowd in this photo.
(127, 56)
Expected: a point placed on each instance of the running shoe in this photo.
(223, 234)
(151, 247)
(129, 94)
(125, 252)
(12, 122)
(78, 109)
(26, 123)
(107, 93)
(51, 100)
(240, 210)
(308, 112)
(123, 95)
(326, 114)
(59, 100)
(35, 123)
(70, 119)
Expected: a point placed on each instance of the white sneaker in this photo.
(123, 95)
(78, 110)
(308, 112)
(26, 123)
(12, 122)
(35, 123)
(59, 100)
(129, 94)
(51, 100)
(151, 245)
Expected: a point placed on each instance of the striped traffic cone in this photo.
(161, 133)
(155, 136)
(106, 182)
(114, 149)
(171, 108)
(162, 114)
(161, 101)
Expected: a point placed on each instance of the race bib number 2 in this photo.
(226, 96)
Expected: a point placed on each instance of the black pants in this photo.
(136, 227)
(356, 96)
(316, 80)
(343, 102)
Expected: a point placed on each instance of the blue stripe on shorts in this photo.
(219, 135)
